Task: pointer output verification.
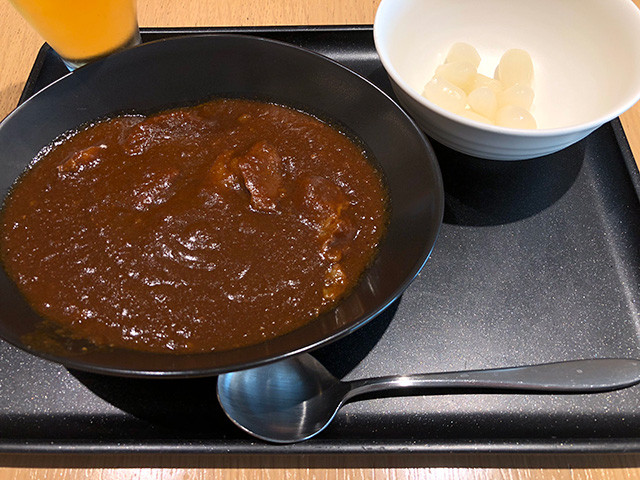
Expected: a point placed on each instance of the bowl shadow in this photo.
(481, 192)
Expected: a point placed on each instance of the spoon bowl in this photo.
(286, 401)
(296, 398)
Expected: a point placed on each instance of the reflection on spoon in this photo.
(296, 398)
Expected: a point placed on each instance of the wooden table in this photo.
(18, 48)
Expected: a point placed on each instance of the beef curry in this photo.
(196, 229)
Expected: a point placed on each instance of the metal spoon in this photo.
(294, 399)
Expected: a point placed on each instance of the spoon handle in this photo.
(594, 375)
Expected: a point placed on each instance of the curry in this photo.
(196, 229)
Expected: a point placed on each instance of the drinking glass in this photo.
(82, 30)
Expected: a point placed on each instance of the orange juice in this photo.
(80, 30)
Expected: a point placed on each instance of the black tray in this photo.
(537, 261)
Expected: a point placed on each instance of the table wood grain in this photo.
(18, 48)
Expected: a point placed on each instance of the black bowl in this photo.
(190, 70)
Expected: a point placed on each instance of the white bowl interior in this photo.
(586, 53)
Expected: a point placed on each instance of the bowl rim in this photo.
(382, 21)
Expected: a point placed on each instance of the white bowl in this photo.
(586, 56)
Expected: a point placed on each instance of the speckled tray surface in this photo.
(537, 261)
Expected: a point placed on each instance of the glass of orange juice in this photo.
(83, 30)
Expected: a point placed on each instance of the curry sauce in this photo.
(196, 229)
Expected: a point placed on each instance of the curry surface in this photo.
(197, 229)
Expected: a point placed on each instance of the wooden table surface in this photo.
(18, 48)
